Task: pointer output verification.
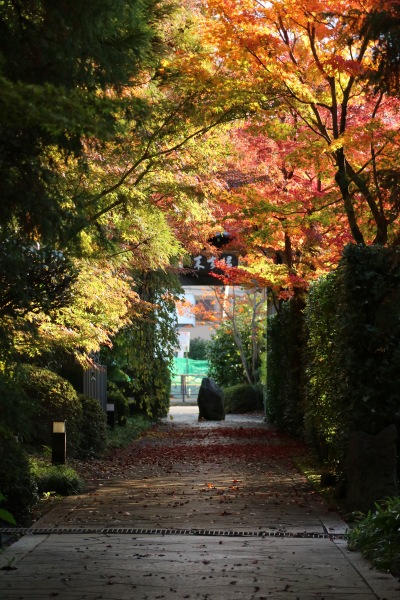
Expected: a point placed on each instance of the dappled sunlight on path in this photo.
(201, 511)
(232, 475)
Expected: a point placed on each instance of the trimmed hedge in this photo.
(324, 427)
(353, 374)
(286, 342)
(16, 407)
(368, 337)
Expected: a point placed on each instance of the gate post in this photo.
(183, 387)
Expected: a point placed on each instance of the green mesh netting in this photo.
(188, 366)
(187, 376)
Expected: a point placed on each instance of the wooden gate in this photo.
(95, 383)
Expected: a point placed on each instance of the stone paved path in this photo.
(198, 511)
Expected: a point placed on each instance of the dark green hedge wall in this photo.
(353, 360)
(369, 336)
(324, 427)
(285, 367)
(334, 368)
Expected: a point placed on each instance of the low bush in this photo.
(17, 483)
(93, 426)
(120, 437)
(59, 479)
(376, 536)
(242, 398)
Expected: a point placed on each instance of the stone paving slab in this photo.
(263, 496)
(267, 495)
(149, 567)
(185, 501)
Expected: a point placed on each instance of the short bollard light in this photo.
(59, 443)
(111, 415)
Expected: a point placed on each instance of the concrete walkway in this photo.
(184, 522)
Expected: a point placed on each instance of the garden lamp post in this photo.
(59, 443)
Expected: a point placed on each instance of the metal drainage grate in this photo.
(19, 531)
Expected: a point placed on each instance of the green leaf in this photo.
(6, 516)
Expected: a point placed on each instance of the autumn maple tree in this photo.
(104, 176)
(306, 64)
(281, 211)
(117, 182)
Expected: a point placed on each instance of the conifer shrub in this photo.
(198, 349)
(153, 390)
(142, 356)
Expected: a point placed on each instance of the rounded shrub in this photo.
(16, 408)
(242, 398)
(53, 399)
(16, 481)
(93, 435)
